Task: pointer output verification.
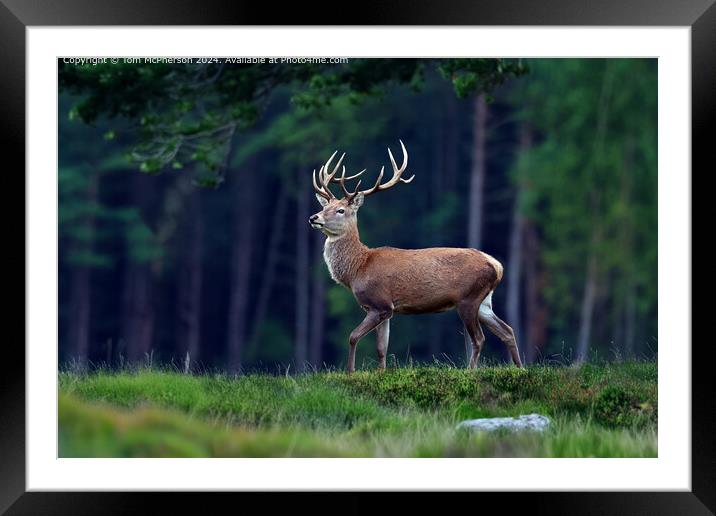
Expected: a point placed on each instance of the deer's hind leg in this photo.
(467, 310)
(499, 328)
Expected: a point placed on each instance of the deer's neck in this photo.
(344, 255)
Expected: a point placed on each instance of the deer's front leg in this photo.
(382, 335)
(372, 319)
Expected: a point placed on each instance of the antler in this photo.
(324, 178)
(397, 173)
(342, 181)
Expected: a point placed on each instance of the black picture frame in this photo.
(17, 15)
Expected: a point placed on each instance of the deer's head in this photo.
(340, 215)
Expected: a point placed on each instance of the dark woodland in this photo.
(185, 192)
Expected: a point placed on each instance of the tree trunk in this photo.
(276, 232)
(630, 321)
(628, 235)
(302, 280)
(514, 266)
(79, 330)
(437, 179)
(318, 308)
(590, 281)
(451, 139)
(241, 249)
(138, 311)
(514, 271)
(588, 299)
(535, 310)
(477, 175)
(80, 296)
(138, 305)
(188, 337)
(617, 338)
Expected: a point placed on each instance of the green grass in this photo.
(598, 411)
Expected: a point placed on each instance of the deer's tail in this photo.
(499, 269)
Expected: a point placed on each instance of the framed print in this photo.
(202, 288)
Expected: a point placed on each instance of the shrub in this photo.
(617, 407)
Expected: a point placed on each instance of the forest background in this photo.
(185, 191)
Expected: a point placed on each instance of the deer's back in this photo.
(425, 280)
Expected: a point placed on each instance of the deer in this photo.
(386, 280)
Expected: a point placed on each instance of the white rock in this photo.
(535, 422)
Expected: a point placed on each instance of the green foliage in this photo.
(618, 407)
(190, 112)
(87, 224)
(141, 242)
(302, 135)
(589, 181)
(469, 75)
(553, 391)
(401, 412)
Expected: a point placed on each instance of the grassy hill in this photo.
(607, 410)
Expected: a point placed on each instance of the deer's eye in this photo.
(341, 211)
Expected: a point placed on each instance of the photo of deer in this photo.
(219, 296)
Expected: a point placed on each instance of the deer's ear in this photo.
(322, 200)
(357, 201)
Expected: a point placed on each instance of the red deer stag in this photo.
(387, 281)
